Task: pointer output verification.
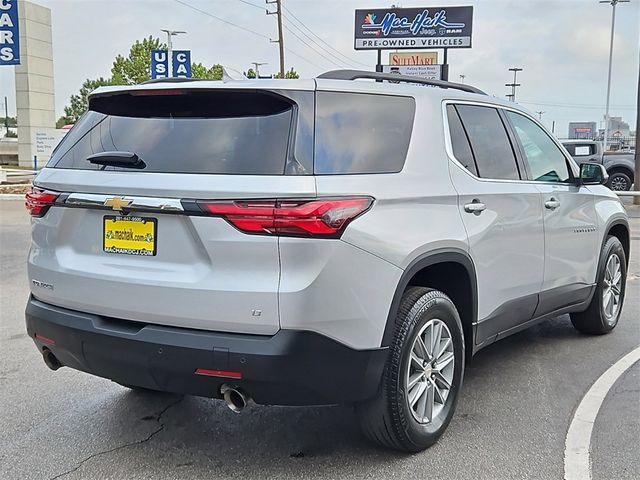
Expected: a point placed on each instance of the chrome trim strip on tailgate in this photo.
(122, 203)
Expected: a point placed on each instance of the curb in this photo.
(11, 196)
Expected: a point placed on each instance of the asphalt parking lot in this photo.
(511, 422)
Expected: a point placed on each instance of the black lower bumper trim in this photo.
(289, 368)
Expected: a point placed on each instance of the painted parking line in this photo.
(577, 461)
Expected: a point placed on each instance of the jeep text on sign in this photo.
(9, 36)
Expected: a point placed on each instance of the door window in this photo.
(546, 161)
(489, 141)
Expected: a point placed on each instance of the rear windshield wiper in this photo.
(117, 159)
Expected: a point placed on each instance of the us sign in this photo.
(159, 64)
(429, 27)
(9, 36)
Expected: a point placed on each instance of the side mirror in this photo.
(593, 174)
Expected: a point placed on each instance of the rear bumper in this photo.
(289, 368)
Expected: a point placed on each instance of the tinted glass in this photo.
(546, 161)
(215, 133)
(489, 142)
(361, 133)
(459, 141)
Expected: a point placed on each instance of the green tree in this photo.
(79, 103)
(136, 67)
(200, 71)
(250, 73)
(290, 74)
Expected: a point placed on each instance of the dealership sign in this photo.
(9, 36)
(432, 27)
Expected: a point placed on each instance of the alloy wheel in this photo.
(612, 287)
(430, 371)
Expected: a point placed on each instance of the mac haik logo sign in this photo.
(429, 27)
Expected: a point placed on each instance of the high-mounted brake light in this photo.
(296, 218)
(156, 92)
(38, 201)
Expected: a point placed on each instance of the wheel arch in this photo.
(622, 169)
(449, 270)
(619, 229)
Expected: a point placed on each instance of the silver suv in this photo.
(314, 242)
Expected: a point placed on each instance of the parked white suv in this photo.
(306, 242)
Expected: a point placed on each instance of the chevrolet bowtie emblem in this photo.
(117, 203)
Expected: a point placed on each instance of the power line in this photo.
(329, 59)
(349, 60)
(292, 52)
(221, 19)
(252, 4)
(579, 105)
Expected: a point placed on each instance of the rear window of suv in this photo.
(362, 133)
(173, 131)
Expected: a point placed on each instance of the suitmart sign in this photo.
(9, 36)
(427, 27)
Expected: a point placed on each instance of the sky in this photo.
(562, 45)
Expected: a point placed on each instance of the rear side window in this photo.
(584, 150)
(362, 133)
(460, 142)
(489, 141)
(176, 131)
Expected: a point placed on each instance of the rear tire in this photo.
(603, 313)
(413, 406)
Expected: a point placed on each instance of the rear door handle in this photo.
(476, 206)
(551, 204)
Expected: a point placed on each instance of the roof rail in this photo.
(393, 77)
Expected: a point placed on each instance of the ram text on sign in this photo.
(413, 58)
(9, 35)
(399, 28)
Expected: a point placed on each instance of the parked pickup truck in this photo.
(619, 165)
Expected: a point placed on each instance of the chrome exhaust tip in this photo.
(50, 359)
(235, 398)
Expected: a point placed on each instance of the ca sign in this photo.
(9, 36)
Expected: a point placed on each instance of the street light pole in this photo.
(540, 113)
(170, 33)
(613, 3)
(462, 77)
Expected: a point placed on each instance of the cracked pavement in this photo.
(511, 421)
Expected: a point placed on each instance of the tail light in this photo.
(296, 218)
(39, 201)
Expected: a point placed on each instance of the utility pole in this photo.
(513, 85)
(280, 40)
(636, 200)
(462, 77)
(6, 116)
(613, 3)
(540, 114)
(257, 66)
(170, 33)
